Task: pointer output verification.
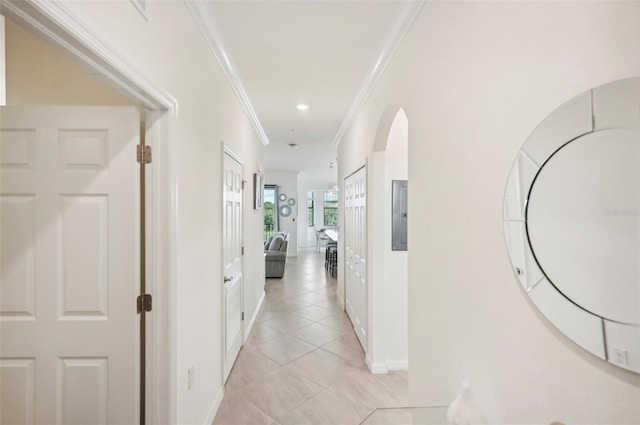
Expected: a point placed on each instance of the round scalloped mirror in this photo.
(282, 197)
(291, 201)
(572, 220)
(285, 211)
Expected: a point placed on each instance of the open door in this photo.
(69, 265)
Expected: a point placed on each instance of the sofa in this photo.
(275, 249)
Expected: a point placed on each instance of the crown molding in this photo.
(55, 22)
(408, 15)
(206, 22)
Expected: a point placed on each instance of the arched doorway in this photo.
(388, 347)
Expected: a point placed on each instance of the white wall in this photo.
(475, 78)
(396, 262)
(171, 52)
(39, 74)
(388, 270)
(287, 182)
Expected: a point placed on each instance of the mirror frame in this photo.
(285, 210)
(610, 106)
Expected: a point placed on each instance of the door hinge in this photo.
(243, 315)
(243, 183)
(144, 154)
(242, 251)
(144, 303)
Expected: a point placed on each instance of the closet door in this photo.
(355, 232)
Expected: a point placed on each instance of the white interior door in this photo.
(232, 257)
(355, 231)
(68, 231)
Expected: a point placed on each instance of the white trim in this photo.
(386, 367)
(226, 149)
(398, 365)
(376, 368)
(3, 65)
(249, 325)
(213, 410)
(359, 167)
(55, 22)
(407, 16)
(141, 7)
(162, 268)
(206, 22)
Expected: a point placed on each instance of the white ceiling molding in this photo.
(51, 19)
(141, 6)
(407, 16)
(204, 18)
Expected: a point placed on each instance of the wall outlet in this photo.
(191, 377)
(619, 356)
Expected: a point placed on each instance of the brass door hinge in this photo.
(144, 303)
(144, 154)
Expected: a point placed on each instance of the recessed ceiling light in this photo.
(302, 107)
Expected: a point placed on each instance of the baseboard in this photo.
(254, 316)
(386, 367)
(378, 368)
(375, 368)
(214, 407)
(398, 365)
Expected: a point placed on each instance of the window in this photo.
(310, 212)
(330, 208)
(270, 216)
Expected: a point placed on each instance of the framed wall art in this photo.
(257, 191)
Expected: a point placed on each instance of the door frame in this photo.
(226, 150)
(55, 23)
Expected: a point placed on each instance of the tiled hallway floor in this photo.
(303, 364)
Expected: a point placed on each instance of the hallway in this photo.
(302, 363)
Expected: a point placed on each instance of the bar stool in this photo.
(327, 256)
(333, 262)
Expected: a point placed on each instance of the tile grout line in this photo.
(277, 307)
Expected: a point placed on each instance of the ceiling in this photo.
(326, 54)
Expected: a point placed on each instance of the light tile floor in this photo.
(303, 364)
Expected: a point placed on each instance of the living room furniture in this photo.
(276, 255)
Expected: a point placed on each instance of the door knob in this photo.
(228, 279)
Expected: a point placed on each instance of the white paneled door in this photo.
(68, 226)
(355, 231)
(232, 257)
